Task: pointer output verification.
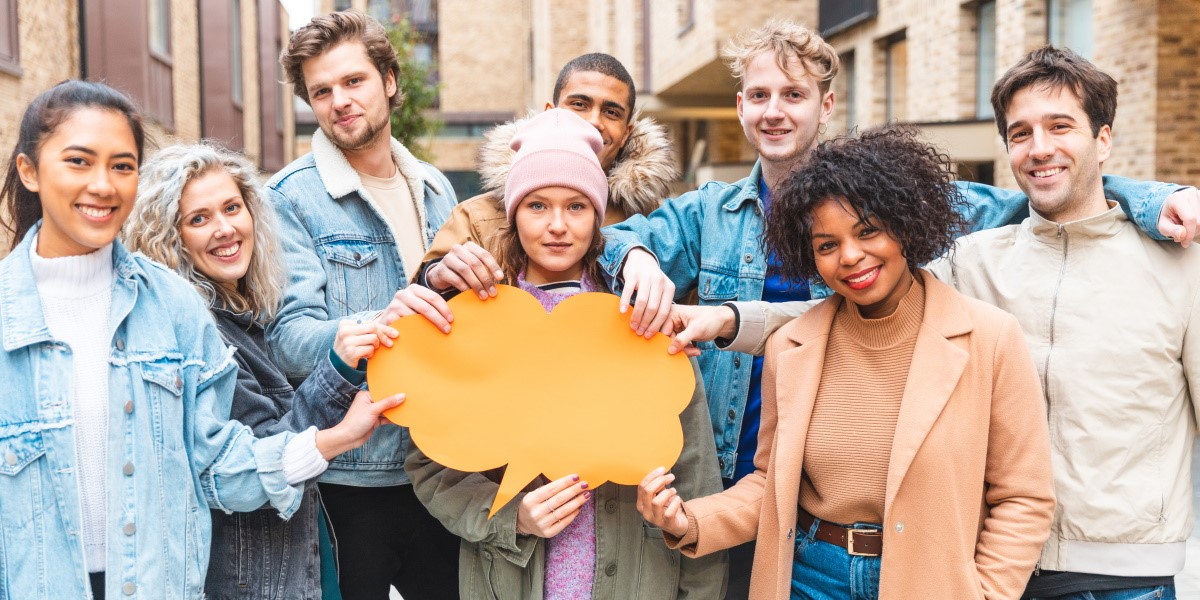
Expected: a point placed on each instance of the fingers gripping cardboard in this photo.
(572, 391)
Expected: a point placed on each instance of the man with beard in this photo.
(357, 214)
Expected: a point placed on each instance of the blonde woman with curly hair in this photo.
(200, 212)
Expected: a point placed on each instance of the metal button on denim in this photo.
(129, 589)
(129, 407)
(737, 361)
(748, 258)
(610, 570)
(178, 382)
(732, 414)
(128, 470)
(120, 344)
(129, 529)
(899, 526)
(10, 458)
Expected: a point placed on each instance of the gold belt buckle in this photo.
(850, 542)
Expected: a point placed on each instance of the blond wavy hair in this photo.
(153, 227)
(786, 40)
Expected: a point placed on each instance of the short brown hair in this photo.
(1058, 68)
(326, 31)
(786, 40)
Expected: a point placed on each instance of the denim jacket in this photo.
(709, 240)
(257, 555)
(343, 261)
(172, 452)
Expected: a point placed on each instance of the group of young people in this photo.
(1009, 415)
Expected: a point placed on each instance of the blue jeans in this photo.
(823, 571)
(1162, 592)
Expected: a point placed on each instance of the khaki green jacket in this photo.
(632, 562)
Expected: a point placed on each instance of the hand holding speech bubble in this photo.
(571, 391)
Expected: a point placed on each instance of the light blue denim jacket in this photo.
(709, 240)
(343, 261)
(172, 452)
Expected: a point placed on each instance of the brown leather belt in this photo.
(856, 541)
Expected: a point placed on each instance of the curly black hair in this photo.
(889, 177)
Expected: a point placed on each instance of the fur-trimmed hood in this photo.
(638, 181)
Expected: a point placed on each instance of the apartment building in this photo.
(197, 69)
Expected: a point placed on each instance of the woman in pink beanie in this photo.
(561, 539)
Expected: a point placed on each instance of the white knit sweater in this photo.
(76, 294)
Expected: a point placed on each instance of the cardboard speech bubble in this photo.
(572, 391)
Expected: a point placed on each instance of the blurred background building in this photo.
(198, 69)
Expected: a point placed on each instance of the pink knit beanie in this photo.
(556, 149)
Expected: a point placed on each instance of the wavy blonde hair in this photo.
(786, 40)
(153, 227)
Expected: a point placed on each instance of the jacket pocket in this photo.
(349, 285)
(163, 394)
(715, 287)
(658, 570)
(19, 451)
(22, 486)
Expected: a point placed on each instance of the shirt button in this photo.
(737, 361)
(899, 527)
(610, 570)
(732, 414)
(120, 344)
(748, 258)
(178, 382)
(128, 470)
(10, 458)
(129, 589)
(129, 529)
(357, 256)
(129, 407)
(610, 506)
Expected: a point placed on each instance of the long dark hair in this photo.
(21, 207)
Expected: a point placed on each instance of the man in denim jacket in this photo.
(357, 214)
(710, 240)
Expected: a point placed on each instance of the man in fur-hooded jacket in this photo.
(637, 156)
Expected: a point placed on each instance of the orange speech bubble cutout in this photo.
(572, 391)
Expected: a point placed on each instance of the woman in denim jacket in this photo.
(201, 213)
(114, 430)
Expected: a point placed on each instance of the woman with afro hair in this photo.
(904, 450)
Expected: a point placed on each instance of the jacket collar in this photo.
(340, 179)
(638, 180)
(21, 319)
(750, 191)
(937, 364)
(1105, 224)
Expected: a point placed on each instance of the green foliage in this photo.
(411, 122)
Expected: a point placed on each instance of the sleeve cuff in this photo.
(301, 459)
(354, 375)
(689, 537)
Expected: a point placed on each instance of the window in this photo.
(9, 37)
(897, 78)
(685, 15)
(235, 51)
(985, 58)
(160, 27)
(845, 91)
(1069, 23)
(380, 10)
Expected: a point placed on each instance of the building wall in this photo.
(1178, 87)
(44, 61)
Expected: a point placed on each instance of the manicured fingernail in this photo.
(574, 478)
(583, 486)
(587, 495)
(483, 295)
(499, 274)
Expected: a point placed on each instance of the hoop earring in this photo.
(822, 128)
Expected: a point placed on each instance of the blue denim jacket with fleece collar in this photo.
(172, 451)
(710, 240)
(343, 262)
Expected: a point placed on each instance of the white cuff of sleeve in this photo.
(301, 459)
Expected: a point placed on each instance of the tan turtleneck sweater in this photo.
(854, 416)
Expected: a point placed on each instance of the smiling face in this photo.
(602, 101)
(781, 112)
(1053, 154)
(349, 97)
(216, 228)
(555, 226)
(86, 177)
(858, 259)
